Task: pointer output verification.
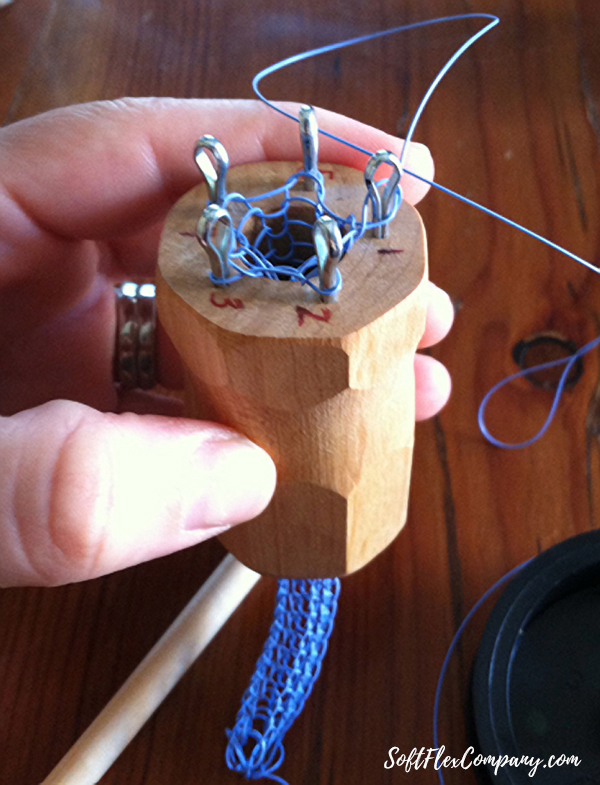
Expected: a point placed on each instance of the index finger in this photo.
(104, 169)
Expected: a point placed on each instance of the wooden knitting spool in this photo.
(327, 389)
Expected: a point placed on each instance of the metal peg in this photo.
(216, 236)
(215, 178)
(309, 136)
(382, 204)
(329, 248)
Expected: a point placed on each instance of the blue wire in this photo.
(438, 692)
(569, 362)
(459, 52)
(508, 222)
(371, 37)
(285, 674)
(494, 20)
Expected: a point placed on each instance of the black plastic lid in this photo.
(536, 677)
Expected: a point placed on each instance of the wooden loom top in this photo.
(377, 273)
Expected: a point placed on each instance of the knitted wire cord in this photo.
(285, 674)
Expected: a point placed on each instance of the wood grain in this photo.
(516, 126)
(21, 25)
(332, 402)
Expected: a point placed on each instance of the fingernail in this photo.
(420, 148)
(442, 302)
(420, 160)
(237, 479)
(437, 291)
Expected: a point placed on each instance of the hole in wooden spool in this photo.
(286, 245)
(544, 348)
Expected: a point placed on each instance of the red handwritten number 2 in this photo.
(325, 315)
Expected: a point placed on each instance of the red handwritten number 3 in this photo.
(325, 315)
(235, 303)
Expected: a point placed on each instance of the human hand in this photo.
(93, 480)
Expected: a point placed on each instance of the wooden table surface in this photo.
(515, 125)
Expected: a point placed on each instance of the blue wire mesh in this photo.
(285, 674)
(276, 251)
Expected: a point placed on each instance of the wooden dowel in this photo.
(143, 692)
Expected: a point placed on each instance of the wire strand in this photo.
(568, 362)
(454, 643)
(492, 22)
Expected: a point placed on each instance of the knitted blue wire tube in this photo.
(262, 258)
(285, 674)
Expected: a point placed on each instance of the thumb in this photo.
(83, 494)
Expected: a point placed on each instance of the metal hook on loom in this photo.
(216, 235)
(215, 177)
(329, 248)
(382, 204)
(309, 137)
